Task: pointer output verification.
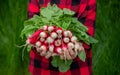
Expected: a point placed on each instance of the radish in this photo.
(70, 45)
(34, 37)
(50, 40)
(46, 43)
(51, 28)
(42, 39)
(65, 33)
(57, 42)
(38, 43)
(54, 35)
(69, 33)
(51, 47)
(64, 46)
(45, 28)
(43, 47)
(58, 30)
(66, 39)
(43, 34)
(28, 41)
(73, 39)
(58, 50)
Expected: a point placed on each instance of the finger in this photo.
(81, 48)
(54, 54)
(62, 56)
(43, 53)
(38, 49)
(48, 55)
(71, 52)
(67, 55)
(74, 56)
(76, 51)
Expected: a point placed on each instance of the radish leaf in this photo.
(82, 55)
(64, 68)
(55, 61)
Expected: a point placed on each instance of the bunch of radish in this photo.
(53, 39)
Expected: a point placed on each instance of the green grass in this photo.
(12, 16)
(106, 53)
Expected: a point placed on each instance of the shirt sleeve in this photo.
(33, 8)
(88, 18)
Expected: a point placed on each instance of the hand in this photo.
(70, 53)
(42, 52)
(45, 53)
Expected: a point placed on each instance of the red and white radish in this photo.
(45, 28)
(43, 47)
(64, 46)
(43, 34)
(34, 37)
(70, 45)
(66, 39)
(50, 40)
(38, 43)
(57, 42)
(42, 39)
(46, 43)
(65, 33)
(69, 33)
(51, 47)
(54, 35)
(51, 28)
(73, 39)
(58, 50)
(58, 30)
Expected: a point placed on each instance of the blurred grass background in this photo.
(106, 53)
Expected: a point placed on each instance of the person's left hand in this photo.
(70, 53)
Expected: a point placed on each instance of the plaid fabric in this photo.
(86, 13)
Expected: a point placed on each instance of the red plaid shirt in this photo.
(86, 13)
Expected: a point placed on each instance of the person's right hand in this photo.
(42, 52)
(45, 53)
